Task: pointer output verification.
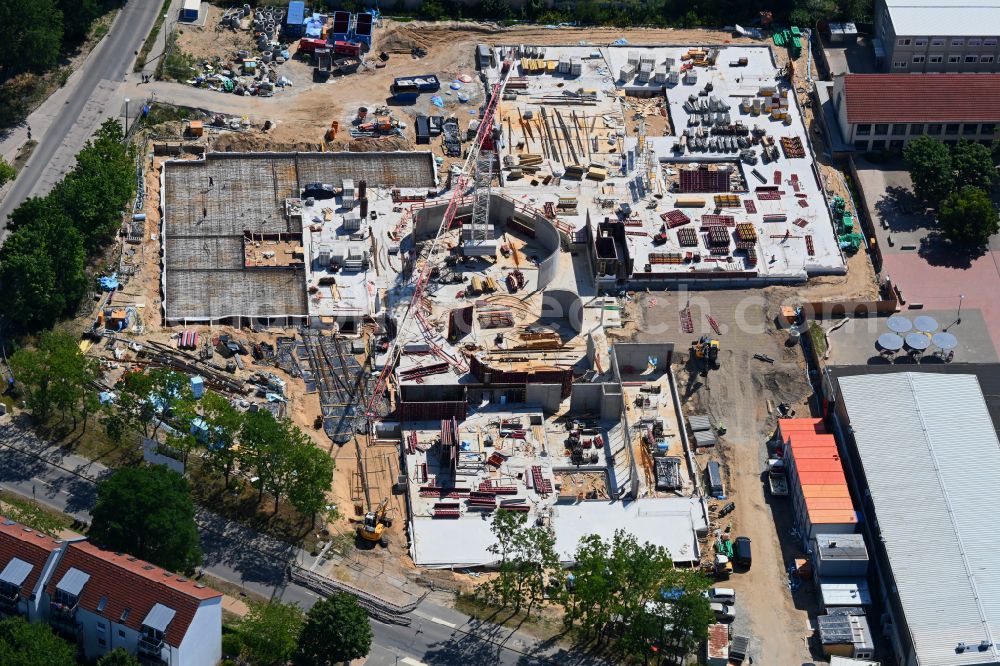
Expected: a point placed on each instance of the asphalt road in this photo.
(90, 92)
(233, 553)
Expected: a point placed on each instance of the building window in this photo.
(952, 59)
(896, 144)
(121, 633)
(934, 128)
(975, 42)
(972, 59)
(881, 129)
(935, 58)
(916, 128)
(986, 58)
(878, 145)
(922, 41)
(951, 128)
(864, 129)
(937, 42)
(918, 58)
(899, 64)
(990, 42)
(861, 146)
(102, 642)
(101, 627)
(970, 128)
(899, 129)
(958, 42)
(902, 42)
(987, 129)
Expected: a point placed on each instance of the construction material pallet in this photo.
(799, 222)
(803, 203)
(719, 251)
(666, 258)
(542, 485)
(777, 177)
(751, 256)
(446, 513)
(727, 201)
(632, 222)
(758, 175)
(750, 205)
(792, 147)
(687, 237)
(675, 218)
(810, 248)
(745, 245)
(496, 459)
(714, 324)
(718, 221)
(746, 232)
(433, 369)
(768, 195)
(636, 233)
(718, 237)
(795, 183)
(495, 320)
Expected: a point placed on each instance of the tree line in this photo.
(43, 262)
(957, 181)
(624, 594)
(661, 13)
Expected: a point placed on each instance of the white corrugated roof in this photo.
(940, 18)
(932, 460)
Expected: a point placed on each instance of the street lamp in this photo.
(958, 319)
(126, 115)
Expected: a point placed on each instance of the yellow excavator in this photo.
(706, 350)
(375, 523)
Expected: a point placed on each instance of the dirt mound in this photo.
(372, 145)
(250, 141)
(404, 37)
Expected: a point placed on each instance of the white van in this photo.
(726, 595)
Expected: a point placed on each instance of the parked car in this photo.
(722, 595)
(723, 612)
(741, 552)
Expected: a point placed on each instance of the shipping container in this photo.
(713, 477)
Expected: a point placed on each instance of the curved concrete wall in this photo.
(563, 304)
(427, 221)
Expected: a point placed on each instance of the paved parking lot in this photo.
(929, 274)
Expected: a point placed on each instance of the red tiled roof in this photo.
(28, 545)
(915, 98)
(131, 583)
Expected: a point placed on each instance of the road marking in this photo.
(410, 661)
(437, 620)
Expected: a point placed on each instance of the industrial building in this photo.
(937, 36)
(104, 600)
(922, 454)
(886, 111)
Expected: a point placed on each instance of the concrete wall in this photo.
(549, 396)
(427, 221)
(602, 399)
(563, 304)
(637, 354)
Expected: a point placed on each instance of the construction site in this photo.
(462, 307)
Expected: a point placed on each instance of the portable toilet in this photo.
(197, 386)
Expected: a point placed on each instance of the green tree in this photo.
(7, 172)
(54, 375)
(313, 475)
(224, 422)
(973, 165)
(41, 266)
(147, 400)
(33, 36)
(147, 512)
(528, 563)
(336, 630)
(271, 632)
(967, 217)
(25, 643)
(930, 167)
(95, 192)
(634, 589)
(119, 657)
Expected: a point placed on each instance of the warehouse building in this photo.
(937, 35)
(932, 537)
(886, 111)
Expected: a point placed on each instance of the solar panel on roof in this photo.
(15, 572)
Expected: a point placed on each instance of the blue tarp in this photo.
(314, 26)
(109, 282)
(296, 12)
